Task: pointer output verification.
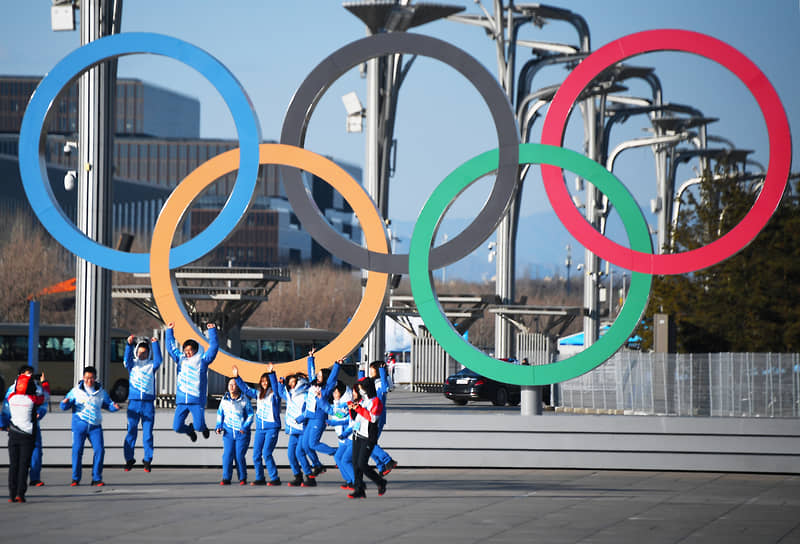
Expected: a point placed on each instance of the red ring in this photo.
(780, 146)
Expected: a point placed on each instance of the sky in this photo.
(271, 46)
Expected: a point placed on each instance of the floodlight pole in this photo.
(384, 77)
(97, 95)
(375, 343)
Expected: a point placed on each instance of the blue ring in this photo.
(32, 139)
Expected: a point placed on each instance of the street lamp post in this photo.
(95, 168)
(384, 77)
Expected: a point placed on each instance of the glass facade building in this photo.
(156, 145)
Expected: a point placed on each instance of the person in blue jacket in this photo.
(377, 372)
(86, 400)
(267, 421)
(41, 411)
(234, 418)
(316, 418)
(141, 397)
(192, 386)
(293, 390)
(339, 418)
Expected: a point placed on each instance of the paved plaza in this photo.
(421, 505)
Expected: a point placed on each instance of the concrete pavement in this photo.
(421, 505)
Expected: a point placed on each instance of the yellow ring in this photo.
(165, 291)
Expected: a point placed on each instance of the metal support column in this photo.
(96, 125)
(591, 323)
(375, 342)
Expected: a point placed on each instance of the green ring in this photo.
(428, 304)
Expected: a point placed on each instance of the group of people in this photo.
(313, 401)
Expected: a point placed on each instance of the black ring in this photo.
(309, 93)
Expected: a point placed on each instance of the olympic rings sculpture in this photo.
(376, 257)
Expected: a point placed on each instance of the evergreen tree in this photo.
(747, 303)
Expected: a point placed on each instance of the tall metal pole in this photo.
(375, 341)
(506, 250)
(591, 325)
(95, 130)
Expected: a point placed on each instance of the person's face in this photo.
(336, 394)
(319, 376)
(373, 373)
(142, 352)
(233, 389)
(188, 351)
(89, 379)
(292, 382)
(264, 382)
(21, 387)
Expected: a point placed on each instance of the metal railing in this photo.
(430, 364)
(694, 384)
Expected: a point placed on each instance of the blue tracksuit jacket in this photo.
(192, 386)
(142, 372)
(295, 405)
(312, 409)
(86, 404)
(268, 409)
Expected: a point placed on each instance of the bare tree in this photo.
(320, 296)
(30, 261)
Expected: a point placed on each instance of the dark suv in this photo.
(466, 385)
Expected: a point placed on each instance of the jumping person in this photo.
(41, 411)
(293, 390)
(86, 400)
(323, 385)
(141, 397)
(234, 417)
(192, 386)
(19, 417)
(267, 421)
(366, 413)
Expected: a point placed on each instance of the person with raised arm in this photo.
(267, 423)
(316, 418)
(339, 418)
(141, 367)
(292, 390)
(192, 384)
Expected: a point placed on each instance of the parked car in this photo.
(466, 385)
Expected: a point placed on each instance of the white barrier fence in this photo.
(693, 384)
